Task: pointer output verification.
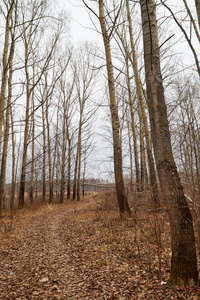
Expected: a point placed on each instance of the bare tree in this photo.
(9, 67)
(85, 78)
(6, 57)
(31, 39)
(119, 181)
(67, 103)
(184, 260)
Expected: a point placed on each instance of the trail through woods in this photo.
(81, 250)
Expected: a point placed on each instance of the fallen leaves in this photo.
(84, 251)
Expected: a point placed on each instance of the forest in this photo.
(103, 135)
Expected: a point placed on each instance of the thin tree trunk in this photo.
(84, 172)
(142, 152)
(152, 171)
(13, 184)
(7, 127)
(49, 155)
(55, 151)
(119, 180)
(62, 184)
(184, 260)
(130, 152)
(137, 172)
(33, 145)
(25, 147)
(44, 157)
(69, 166)
(77, 157)
(5, 66)
(79, 173)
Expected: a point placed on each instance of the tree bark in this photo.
(135, 146)
(184, 260)
(33, 144)
(13, 184)
(119, 181)
(44, 156)
(152, 171)
(62, 183)
(5, 65)
(69, 163)
(77, 158)
(25, 147)
(130, 151)
(7, 126)
(197, 3)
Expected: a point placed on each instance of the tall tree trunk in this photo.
(62, 180)
(13, 184)
(33, 144)
(5, 65)
(7, 127)
(25, 147)
(84, 171)
(55, 152)
(135, 146)
(184, 260)
(130, 151)
(79, 173)
(49, 155)
(68, 166)
(119, 180)
(152, 171)
(77, 157)
(44, 157)
(142, 152)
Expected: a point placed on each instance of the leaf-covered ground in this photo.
(84, 251)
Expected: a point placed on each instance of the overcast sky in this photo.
(80, 23)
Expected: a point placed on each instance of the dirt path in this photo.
(78, 251)
(39, 256)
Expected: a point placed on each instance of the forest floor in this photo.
(82, 250)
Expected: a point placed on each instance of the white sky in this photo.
(81, 27)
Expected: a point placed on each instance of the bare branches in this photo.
(186, 37)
